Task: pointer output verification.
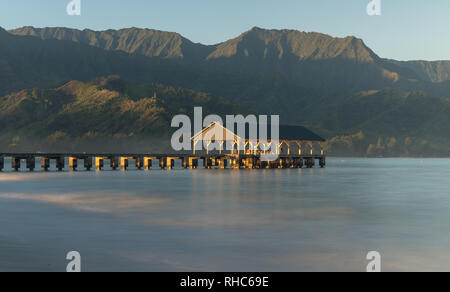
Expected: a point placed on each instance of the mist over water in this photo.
(228, 220)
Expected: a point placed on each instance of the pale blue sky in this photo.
(407, 29)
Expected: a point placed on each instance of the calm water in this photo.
(227, 220)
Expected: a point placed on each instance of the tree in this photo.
(392, 145)
(371, 150)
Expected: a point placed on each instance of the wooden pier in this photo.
(121, 161)
(287, 151)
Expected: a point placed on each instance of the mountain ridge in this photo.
(110, 39)
(433, 71)
(308, 59)
(297, 40)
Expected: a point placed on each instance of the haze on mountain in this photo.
(304, 58)
(307, 78)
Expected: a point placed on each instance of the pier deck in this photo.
(163, 161)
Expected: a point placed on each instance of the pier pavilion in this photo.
(291, 140)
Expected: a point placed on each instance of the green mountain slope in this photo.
(29, 62)
(433, 71)
(108, 108)
(306, 59)
(386, 122)
(418, 123)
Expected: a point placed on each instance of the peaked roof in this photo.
(225, 134)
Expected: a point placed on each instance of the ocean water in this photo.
(230, 220)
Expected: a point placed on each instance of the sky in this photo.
(405, 30)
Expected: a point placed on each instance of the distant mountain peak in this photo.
(255, 43)
(310, 59)
(132, 40)
(256, 28)
(276, 44)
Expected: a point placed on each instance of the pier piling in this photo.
(207, 162)
(99, 163)
(322, 162)
(148, 163)
(73, 163)
(139, 162)
(87, 162)
(184, 162)
(114, 162)
(124, 163)
(31, 163)
(223, 163)
(15, 163)
(45, 163)
(165, 161)
(60, 163)
(171, 162)
(193, 163)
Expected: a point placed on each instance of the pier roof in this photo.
(286, 133)
(298, 133)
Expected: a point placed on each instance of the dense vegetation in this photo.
(363, 104)
(108, 110)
